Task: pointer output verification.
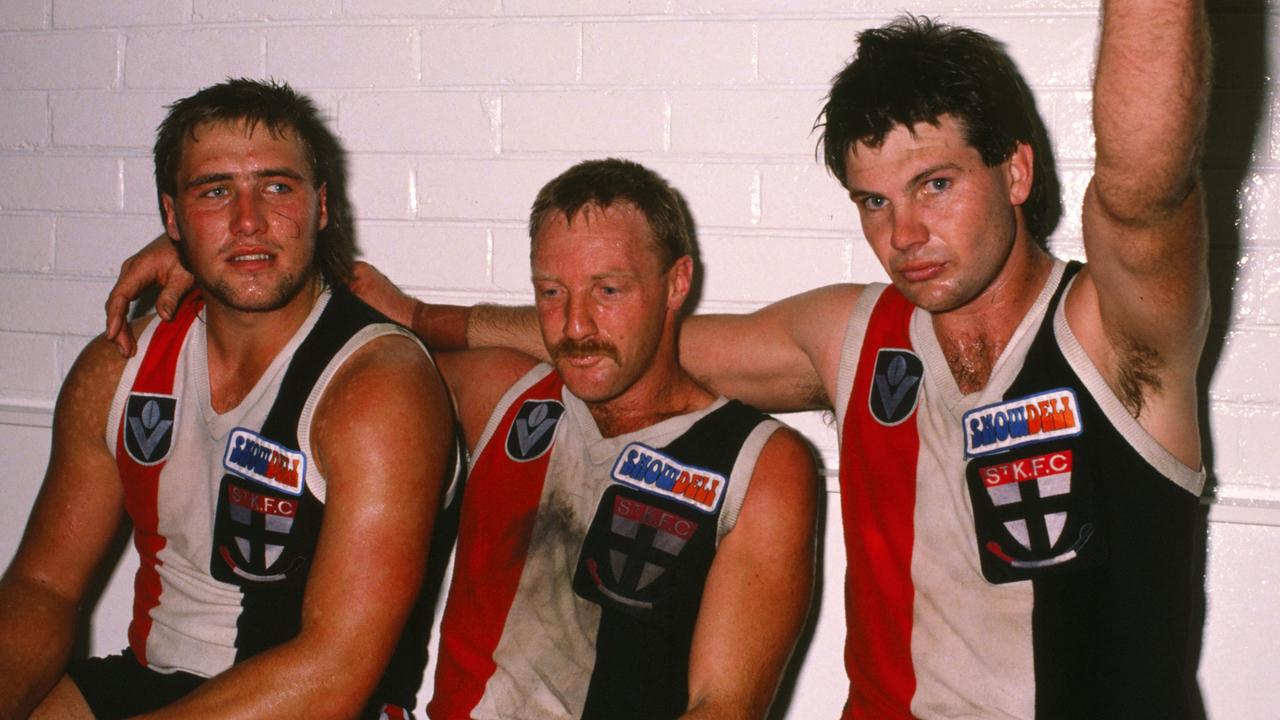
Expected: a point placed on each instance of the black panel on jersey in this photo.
(272, 610)
(642, 653)
(1111, 628)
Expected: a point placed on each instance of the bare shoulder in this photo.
(786, 466)
(387, 395)
(818, 319)
(784, 356)
(478, 379)
(91, 383)
(390, 368)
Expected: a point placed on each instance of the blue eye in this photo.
(939, 184)
(874, 202)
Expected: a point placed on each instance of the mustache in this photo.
(569, 348)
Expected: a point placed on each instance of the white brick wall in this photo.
(454, 112)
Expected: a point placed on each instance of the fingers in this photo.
(122, 293)
(176, 285)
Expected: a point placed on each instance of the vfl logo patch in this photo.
(148, 422)
(259, 528)
(252, 456)
(1024, 421)
(643, 467)
(895, 386)
(534, 429)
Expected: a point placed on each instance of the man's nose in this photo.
(579, 319)
(250, 215)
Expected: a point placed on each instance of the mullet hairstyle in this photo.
(602, 183)
(915, 70)
(278, 108)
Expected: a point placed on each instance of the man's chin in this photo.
(930, 296)
(257, 299)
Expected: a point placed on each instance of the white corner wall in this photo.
(454, 112)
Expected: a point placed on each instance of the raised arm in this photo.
(1142, 312)
(382, 440)
(75, 517)
(758, 591)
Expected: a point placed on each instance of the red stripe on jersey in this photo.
(141, 482)
(878, 496)
(499, 507)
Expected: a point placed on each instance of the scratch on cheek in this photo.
(295, 230)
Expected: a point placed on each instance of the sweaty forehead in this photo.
(239, 138)
(619, 221)
(904, 146)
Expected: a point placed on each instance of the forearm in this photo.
(1150, 103)
(508, 326)
(299, 679)
(35, 642)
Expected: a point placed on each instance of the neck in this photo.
(664, 391)
(242, 344)
(973, 336)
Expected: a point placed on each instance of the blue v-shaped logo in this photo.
(534, 429)
(895, 386)
(148, 423)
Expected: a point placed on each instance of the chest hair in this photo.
(971, 358)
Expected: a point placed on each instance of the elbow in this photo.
(1144, 206)
(339, 699)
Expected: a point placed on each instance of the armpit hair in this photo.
(1138, 373)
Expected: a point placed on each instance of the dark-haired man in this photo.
(279, 446)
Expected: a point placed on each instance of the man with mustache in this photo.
(630, 544)
(279, 446)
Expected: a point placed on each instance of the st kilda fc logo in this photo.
(148, 427)
(642, 555)
(895, 385)
(533, 430)
(1031, 514)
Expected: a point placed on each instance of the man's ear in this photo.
(1019, 169)
(679, 281)
(322, 207)
(170, 218)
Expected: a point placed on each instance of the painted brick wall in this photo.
(454, 112)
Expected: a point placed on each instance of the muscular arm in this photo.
(1142, 306)
(758, 591)
(782, 357)
(75, 517)
(381, 437)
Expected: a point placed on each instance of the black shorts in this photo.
(118, 686)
